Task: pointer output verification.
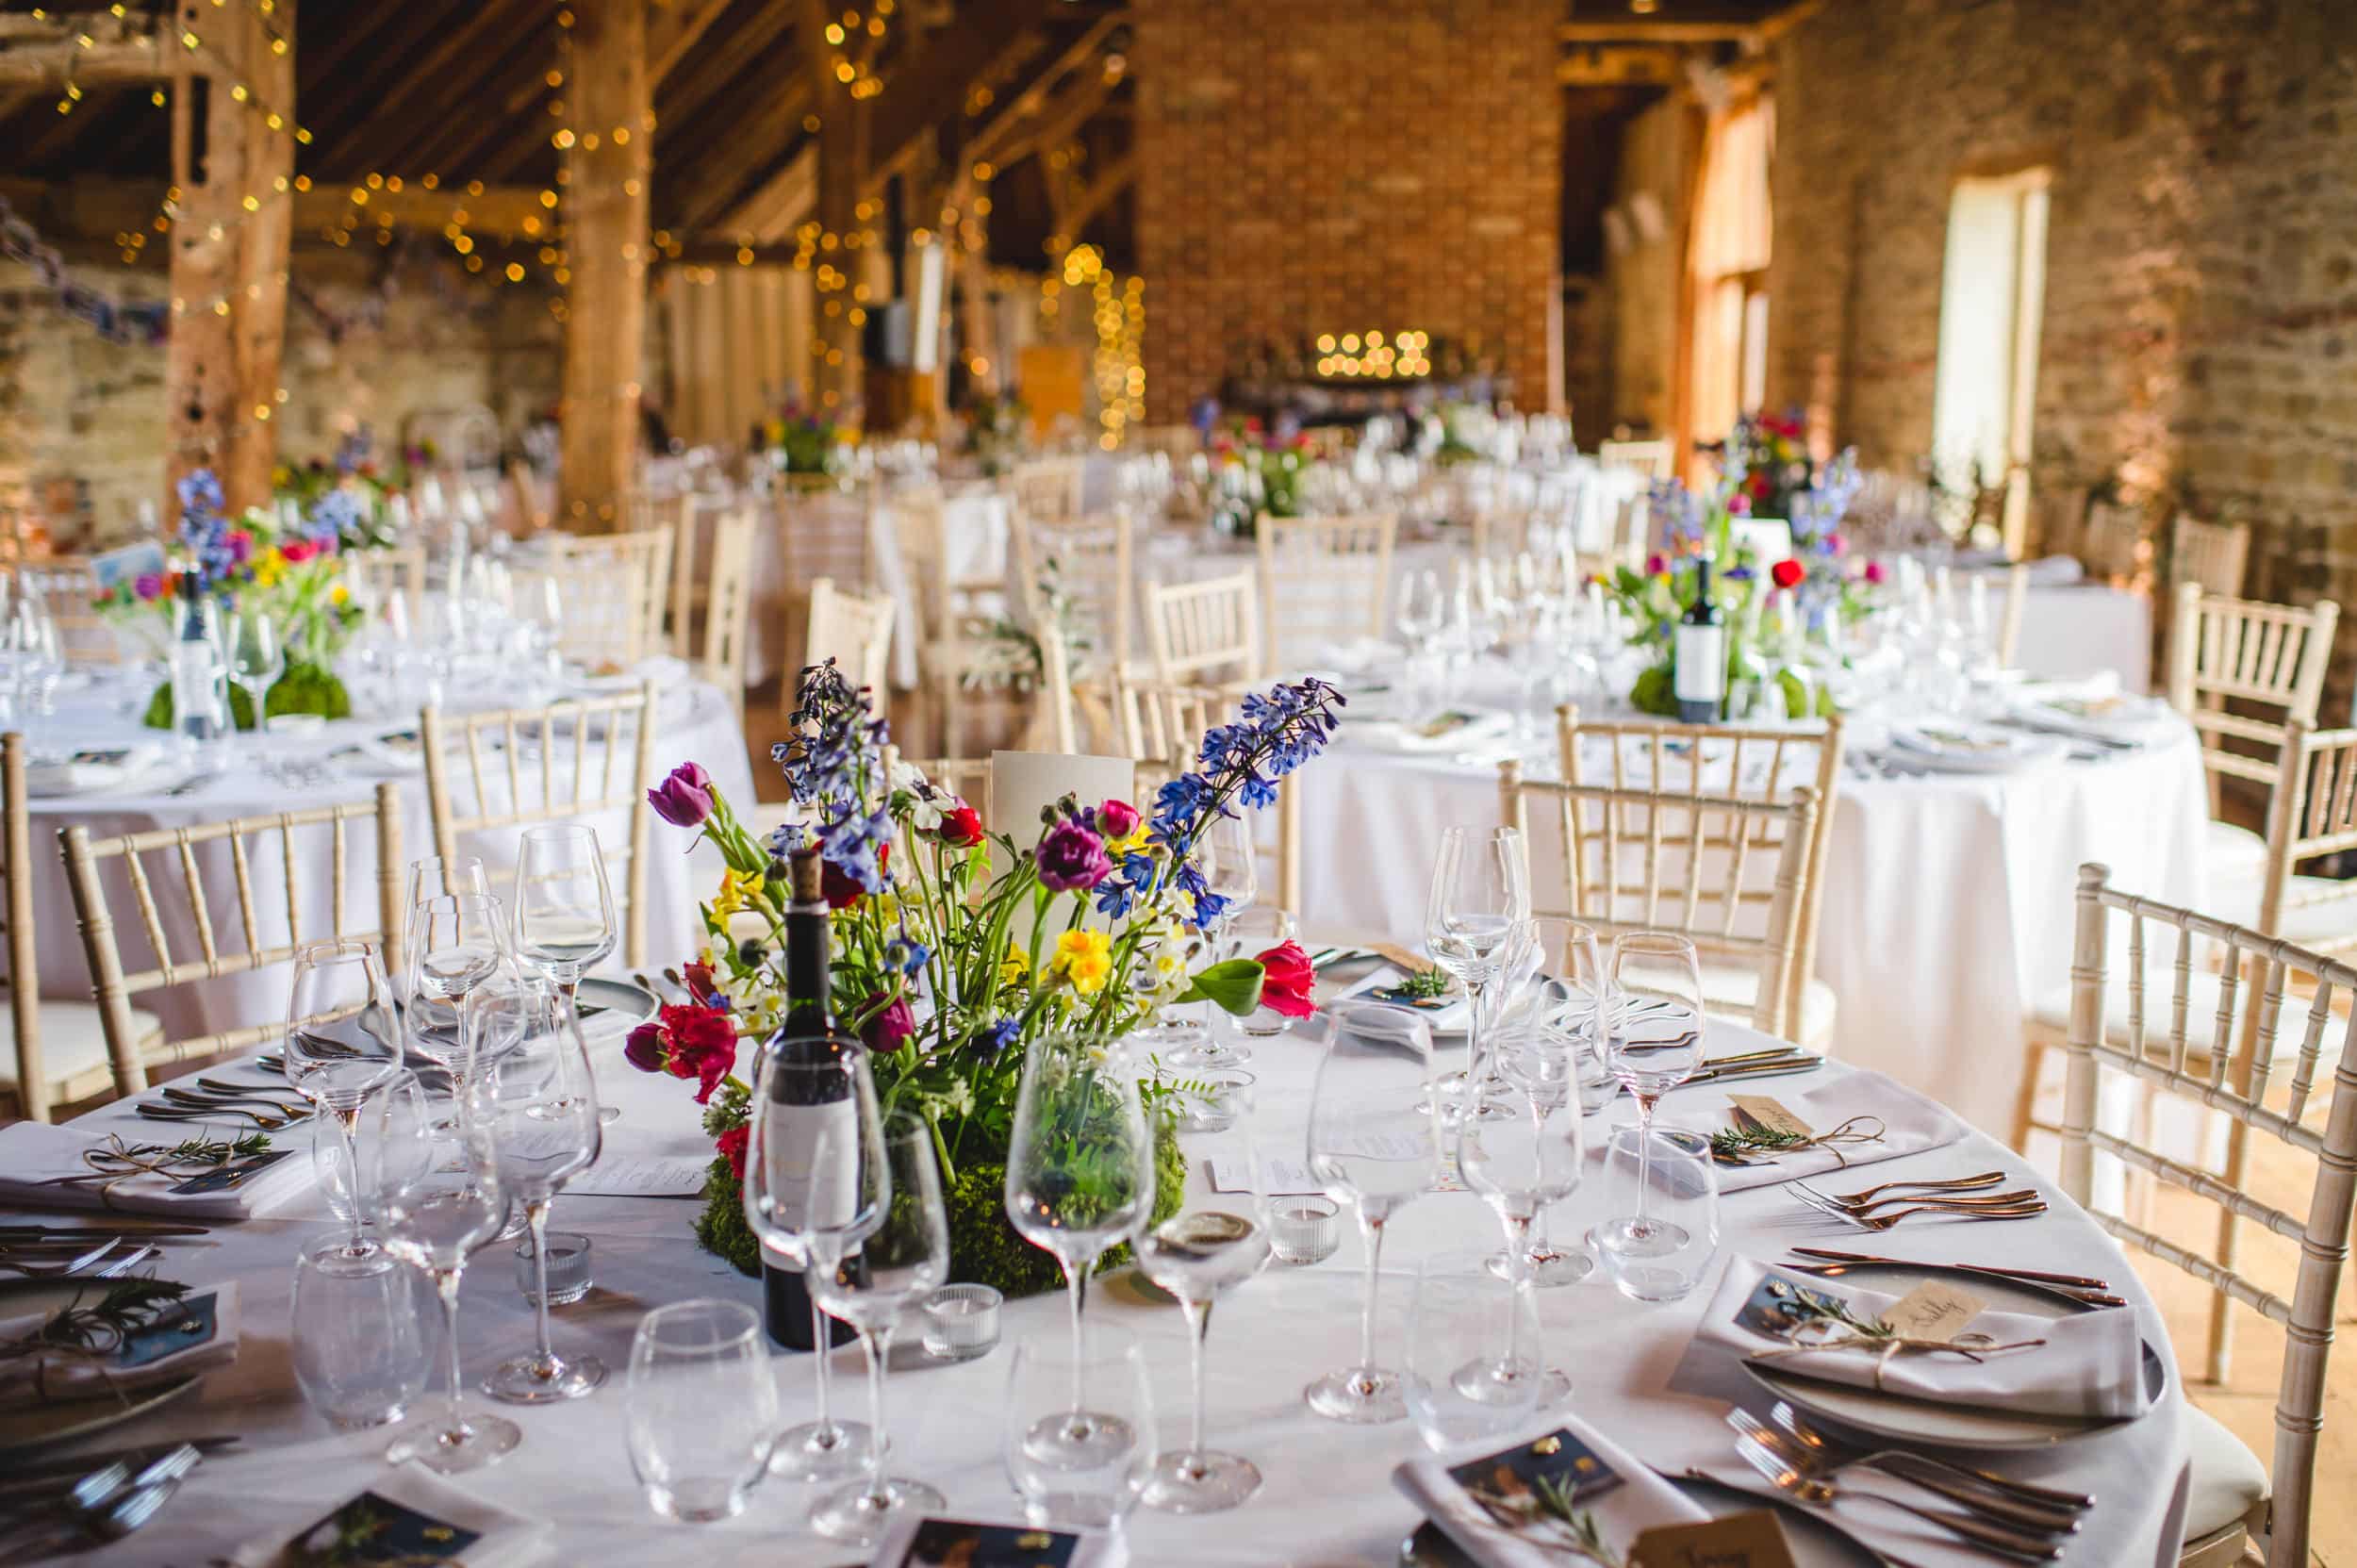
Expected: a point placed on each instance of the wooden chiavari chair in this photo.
(855, 631)
(826, 532)
(1091, 563)
(68, 588)
(375, 574)
(1046, 488)
(1205, 631)
(2238, 1501)
(1161, 729)
(729, 605)
(1620, 877)
(956, 606)
(615, 589)
(1682, 762)
(2113, 543)
(1176, 441)
(134, 1043)
(565, 762)
(1653, 459)
(2211, 554)
(1323, 581)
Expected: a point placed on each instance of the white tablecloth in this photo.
(696, 724)
(1326, 1500)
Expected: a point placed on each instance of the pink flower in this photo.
(1874, 571)
(684, 799)
(889, 1028)
(1071, 858)
(1655, 566)
(1835, 544)
(149, 586)
(1286, 980)
(1116, 820)
(298, 550)
(1740, 504)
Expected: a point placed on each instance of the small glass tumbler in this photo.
(699, 1409)
(1303, 1230)
(1209, 1099)
(962, 1322)
(363, 1334)
(1681, 1206)
(568, 1268)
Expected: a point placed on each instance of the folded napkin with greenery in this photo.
(1930, 1345)
(118, 1336)
(1854, 1119)
(1565, 1492)
(198, 1173)
(411, 1516)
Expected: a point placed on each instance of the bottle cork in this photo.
(808, 876)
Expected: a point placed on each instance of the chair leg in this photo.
(2025, 1099)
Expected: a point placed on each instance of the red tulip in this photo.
(1286, 979)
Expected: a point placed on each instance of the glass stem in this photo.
(1076, 1277)
(877, 1344)
(1198, 1315)
(537, 1216)
(1518, 1274)
(446, 1286)
(348, 1133)
(1372, 1229)
(1478, 992)
(1644, 1162)
(820, 1347)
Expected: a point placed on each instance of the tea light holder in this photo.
(568, 1268)
(1304, 1229)
(962, 1322)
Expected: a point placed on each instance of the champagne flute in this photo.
(903, 1260)
(1656, 1019)
(1373, 1142)
(1224, 854)
(1080, 1180)
(436, 1197)
(813, 1127)
(343, 1042)
(564, 908)
(1522, 1164)
(1474, 916)
(537, 1106)
(1213, 1243)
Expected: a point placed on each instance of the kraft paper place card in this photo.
(1749, 1540)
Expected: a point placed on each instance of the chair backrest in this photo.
(16, 907)
(564, 762)
(2211, 554)
(68, 588)
(1620, 877)
(1631, 536)
(2312, 813)
(681, 513)
(615, 589)
(1654, 459)
(1172, 440)
(729, 605)
(2240, 1086)
(1196, 631)
(1325, 580)
(1089, 562)
(1683, 761)
(195, 860)
(853, 630)
(2112, 538)
(376, 573)
(2264, 657)
(1047, 489)
(826, 532)
(528, 495)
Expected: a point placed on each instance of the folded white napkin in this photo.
(2106, 716)
(1911, 1124)
(420, 1517)
(201, 1337)
(1447, 1018)
(93, 770)
(1434, 734)
(1641, 1501)
(2091, 1363)
(33, 1154)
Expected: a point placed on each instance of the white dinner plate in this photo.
(1962, 748)
(619, 1004)
(1935, 1422)
(2108, 717)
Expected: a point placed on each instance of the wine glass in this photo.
(437, 1197)
(1092, 1495)
(564, 909)
(1420, 607)
(1675, 1182)
(1656, 1019)
(1216, 1240)
(1559, 1002)
(1080, 1180)
(256, 657)
(36, 656)
(1224, 854)
(432, 877)
(814, 1126)
(341, 1165)
(455, 943)
(343, 1042)
(903, 1260)
(537, 1106)
(1373, 1142)
(1522, 1164)
(1479, 900)
(1456, 1390)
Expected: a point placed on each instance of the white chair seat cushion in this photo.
(2234, 853)
(2227, 1480)
(1731, 991)
(72, 1047)
(2325, 924)
(2160, 982)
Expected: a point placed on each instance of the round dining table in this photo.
(1328, 1500)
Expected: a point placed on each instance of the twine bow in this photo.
(116, 1161)
(1754, 1139)
(1888, 1347)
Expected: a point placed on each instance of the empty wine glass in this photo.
(436, 1197)
(564, 908)
(1224, 854)
(1093, 1492)
(432, 877)
(1522, 1164)
(35, 654)
(1474, 916)
(700, 1408)
(1080, 1180)
(1558, 1002)
(903, 1260)
(1216, 1241)
(454, 943)
(537, 1105)
(1420, 607)
(343, 1041)
(342, 1164)
(1664, 1172)
(1373, 1142)
(1656, 1019)
(256, 659)
(814, 1126)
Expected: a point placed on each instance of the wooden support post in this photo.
(199, 356)
(608, 169)
(843, 133)
(258, 317)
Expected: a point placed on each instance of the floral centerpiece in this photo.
(1818, 576)
(998, 430)
(1771, 453)
(1258, 473)
(799, 441)
(252, 563)
(948, 971)
(369, 523)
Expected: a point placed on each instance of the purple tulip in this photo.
(684, 798)
(644, 1049)
(1072, 858)
(889, 1028)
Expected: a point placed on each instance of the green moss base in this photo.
(304, 688)
(984, 1248)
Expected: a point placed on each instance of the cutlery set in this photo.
(2085, 1288)
(106, 1504)
(270, 1108)
(1960, 1197)
(1750, 1064)
(75, 1251)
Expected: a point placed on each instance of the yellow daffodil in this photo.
(340, 596)
(1013, 969)
(1085, 958)
(736, 890)
(1128, 844)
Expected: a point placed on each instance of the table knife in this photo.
(1777, 1068)
(2076, 1281)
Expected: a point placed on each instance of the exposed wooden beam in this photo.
(1025, 108)
(1097, 195)
(754, 154)
(720, 253)
(500, 210)
(845, 142)
(129, 58)
(787, 197)
(259, 324)
(674, 29)
(1622, 67)
(1640, 30)
(606, 249)
(933, 86)
(421, 80)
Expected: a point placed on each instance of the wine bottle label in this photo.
(1701, 663)
(813, 1155)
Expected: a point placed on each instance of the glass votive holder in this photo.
(1304, 1229)
(568, 1268)
(1209, 1099)
(1253, 931)
(962, 1322)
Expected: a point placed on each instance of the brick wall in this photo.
(74, 406)
(2202, 261)
(1331, 166)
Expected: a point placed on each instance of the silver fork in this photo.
(1823, 1463)
(168, 1113)
(1793, 1422)
(1968, 1200)
(60, 1271)
(1959, 1207)
(124, 1265)
(1798, 1484)
(207, 1101)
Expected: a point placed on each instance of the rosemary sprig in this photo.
(1426, 984)
(1828, 1313)
(128, 1305)
(1547, 1516)
(209, 1152)
(1735, 1144)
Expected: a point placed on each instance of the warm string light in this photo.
(1374, 357)
(1117, 311)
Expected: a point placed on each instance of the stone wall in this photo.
(1332, 166)
(76, 407)
(2202, 260)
